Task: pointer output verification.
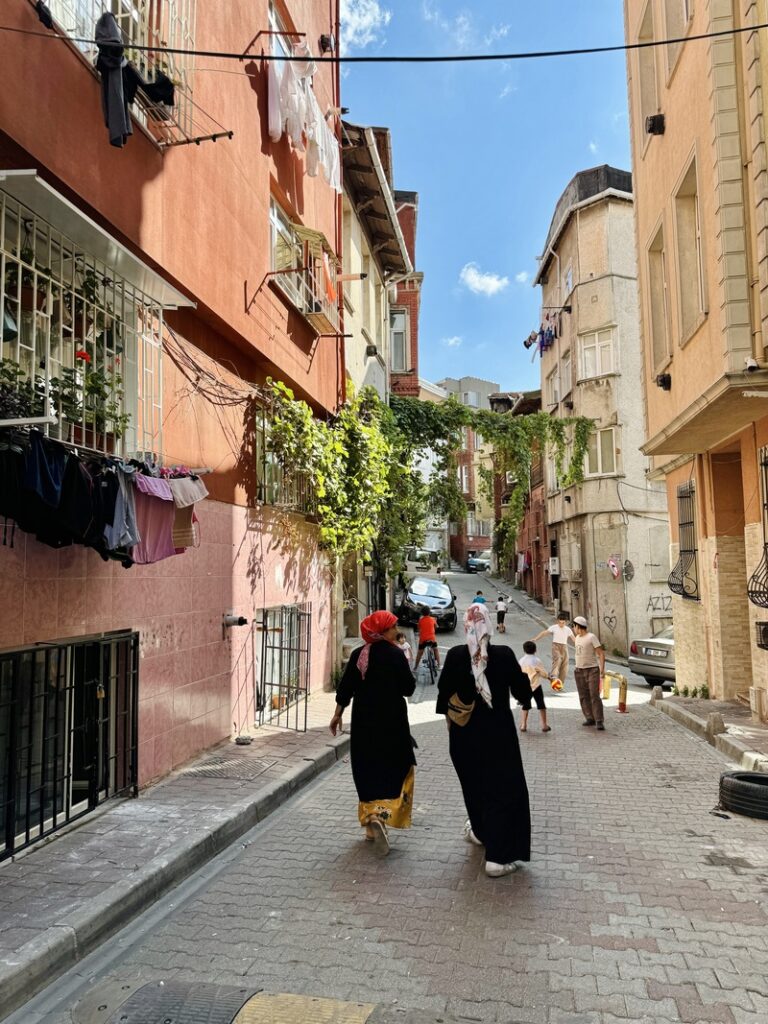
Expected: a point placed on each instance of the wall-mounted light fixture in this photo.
(230, 619)
(664, 381)
(655, 124)
(371, 351)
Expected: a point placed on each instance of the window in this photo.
(79, 336)
(169, 24)
(284, 246)
(646, 60)
(465, 479)
(601, 453)
(280, 44)
(398, 334)
(567, 282)
(471, 398)
(553, 388)
(690, 263)
(291, 491)
(678, 14)
(597, 354)
(684, 578)
(478, 441)
(659, 311)
(566, 382)
(304, 268)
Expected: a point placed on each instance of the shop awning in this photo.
(48, 204)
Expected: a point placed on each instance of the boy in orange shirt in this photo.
(427, 637)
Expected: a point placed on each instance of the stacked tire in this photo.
(745, 793)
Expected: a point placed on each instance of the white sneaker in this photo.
(470, 836)
(498, 870)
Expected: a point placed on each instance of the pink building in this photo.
(200, 270)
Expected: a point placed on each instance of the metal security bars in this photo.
(68, 732)
(684, 578)
(757, 587)
(285, 489)
(77, 339)
(283, 681)
(165, 23)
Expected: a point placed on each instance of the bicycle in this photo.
(431, 662)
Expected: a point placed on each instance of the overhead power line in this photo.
(459, 58)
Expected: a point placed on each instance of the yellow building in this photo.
(701, 202)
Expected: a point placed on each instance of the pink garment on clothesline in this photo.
(155, 513)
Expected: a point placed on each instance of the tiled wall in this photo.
(196, 686)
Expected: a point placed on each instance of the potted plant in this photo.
(20, 397)
(90, 399)
(33, 293)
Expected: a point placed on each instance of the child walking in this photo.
(533, 667)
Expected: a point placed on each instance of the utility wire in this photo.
(461, 58)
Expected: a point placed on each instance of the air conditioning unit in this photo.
(655, 124)
(554, 567)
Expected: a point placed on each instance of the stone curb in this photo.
(41, 960)
(744, 756)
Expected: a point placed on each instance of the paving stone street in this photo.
(638, 905)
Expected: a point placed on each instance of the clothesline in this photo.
(461, 58)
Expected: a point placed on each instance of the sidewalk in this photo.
(62, 898)
(744, 741)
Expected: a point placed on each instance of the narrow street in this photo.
(638, 904)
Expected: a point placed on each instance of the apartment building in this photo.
(376, 257)
(608, 536)
(155, 272)
(475, 534)
(699, 156)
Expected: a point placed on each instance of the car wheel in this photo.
(652, 681)
(745, 793)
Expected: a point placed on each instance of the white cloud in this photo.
(508, 89)
(362, 23)
(480, 282)
(460, 28)
(593, 147)
(523, 277)
(453, 342)
(497, 32)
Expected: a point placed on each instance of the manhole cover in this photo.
(229, 766)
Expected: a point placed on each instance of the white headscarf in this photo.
(477, 626)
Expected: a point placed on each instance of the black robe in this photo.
(486, 754)
(381, 748)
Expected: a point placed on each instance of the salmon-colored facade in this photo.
(199, 216)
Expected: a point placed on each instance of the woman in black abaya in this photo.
(376, 682)
(485, 751)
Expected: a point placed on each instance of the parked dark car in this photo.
(478, 563)
(654, 657)
(435, 595)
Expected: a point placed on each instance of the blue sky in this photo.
(489, 148)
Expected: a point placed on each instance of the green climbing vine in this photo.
(363, 466)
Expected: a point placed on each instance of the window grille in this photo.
(285, 635)
(286, 489)
(757, 588)
(684, 578)
(68, 732)
(78, 337)
(305, 270)
(166, 23)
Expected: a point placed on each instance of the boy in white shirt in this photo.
(562, 635)
(534, 669)
(501, 611)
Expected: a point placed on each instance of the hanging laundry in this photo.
(274, 108)
(44, 13)
(322, 146)
(186, 530)
(110, 64)
(295, 89)
(123, 531)
(155, 513)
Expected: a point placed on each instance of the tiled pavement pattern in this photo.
(639, 905)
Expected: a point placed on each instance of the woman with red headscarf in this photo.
(378, 679)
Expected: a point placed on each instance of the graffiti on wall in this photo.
(659, 603)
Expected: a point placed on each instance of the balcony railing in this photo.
(312, 290)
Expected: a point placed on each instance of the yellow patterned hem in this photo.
(396, 813)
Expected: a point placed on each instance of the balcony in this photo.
(306, 273)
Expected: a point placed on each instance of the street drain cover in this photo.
(178, 1002)
(229, 766)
